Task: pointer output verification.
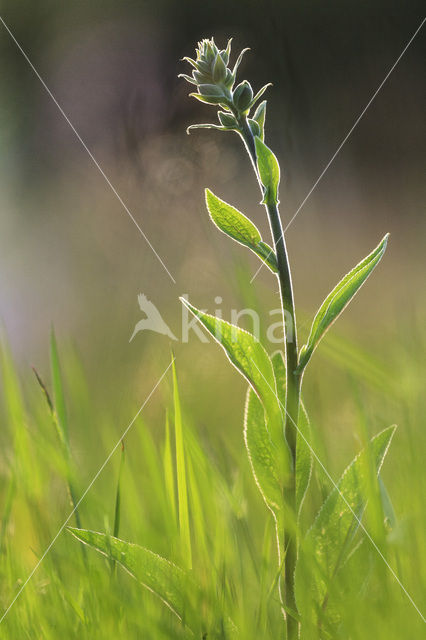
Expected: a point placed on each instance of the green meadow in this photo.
(76, 592)
(195, 440)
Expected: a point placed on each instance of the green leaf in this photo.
(168, 581)
(211, 90)
(189, 79)
(238, 227)
(206, 125)
(260, 116)
(326, 545)
(260, 451)
(263, 456)
(227, 120)
(260, 93)
(255, 129)
(269, 171)
(338, 299)
(249, 357)
(303, 465)
(267, 254)
(238, 62)
(303, 469)
(219, 69)
(209, 99)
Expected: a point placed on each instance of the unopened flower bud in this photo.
(229, 79)
(210, 90)
(219, 70)
(242, 96)
(209, 51)
(227, 120)
(254, 126)
(214, 80)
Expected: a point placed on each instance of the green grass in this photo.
(219, 517)
(298, 522)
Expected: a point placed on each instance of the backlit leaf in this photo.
(168, 581)
(247, 354)
(326, 545)
(303, 452)
(269, 171)
(238, 227)
(259, 116)
(260, 450)
(338, 299)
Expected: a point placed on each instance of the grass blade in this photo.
(185, 533)
(117, 510)
(58, 389)
(64, 444)
(169, 472)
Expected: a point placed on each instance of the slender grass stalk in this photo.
(117, 505)
(64, 444)
(185, 534)
(169, 472)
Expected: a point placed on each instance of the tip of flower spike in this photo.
(187, 78)
(190, 60)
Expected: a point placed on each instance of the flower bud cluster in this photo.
(215, 83)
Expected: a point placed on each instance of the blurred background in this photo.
(70, 256)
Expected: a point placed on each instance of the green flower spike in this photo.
(215, 81)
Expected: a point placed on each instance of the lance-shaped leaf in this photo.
(238, 62)
(303, 467)
(259, 116)
(209, 99)
(338, 299)
(238, 227)
(269, 171)
(247, 355)
(326, 545)
(169, 582)
(206, 125)
(260, 93)
(260, 451)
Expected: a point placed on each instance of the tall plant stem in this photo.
(293, 379)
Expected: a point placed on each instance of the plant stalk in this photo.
(293, 379)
